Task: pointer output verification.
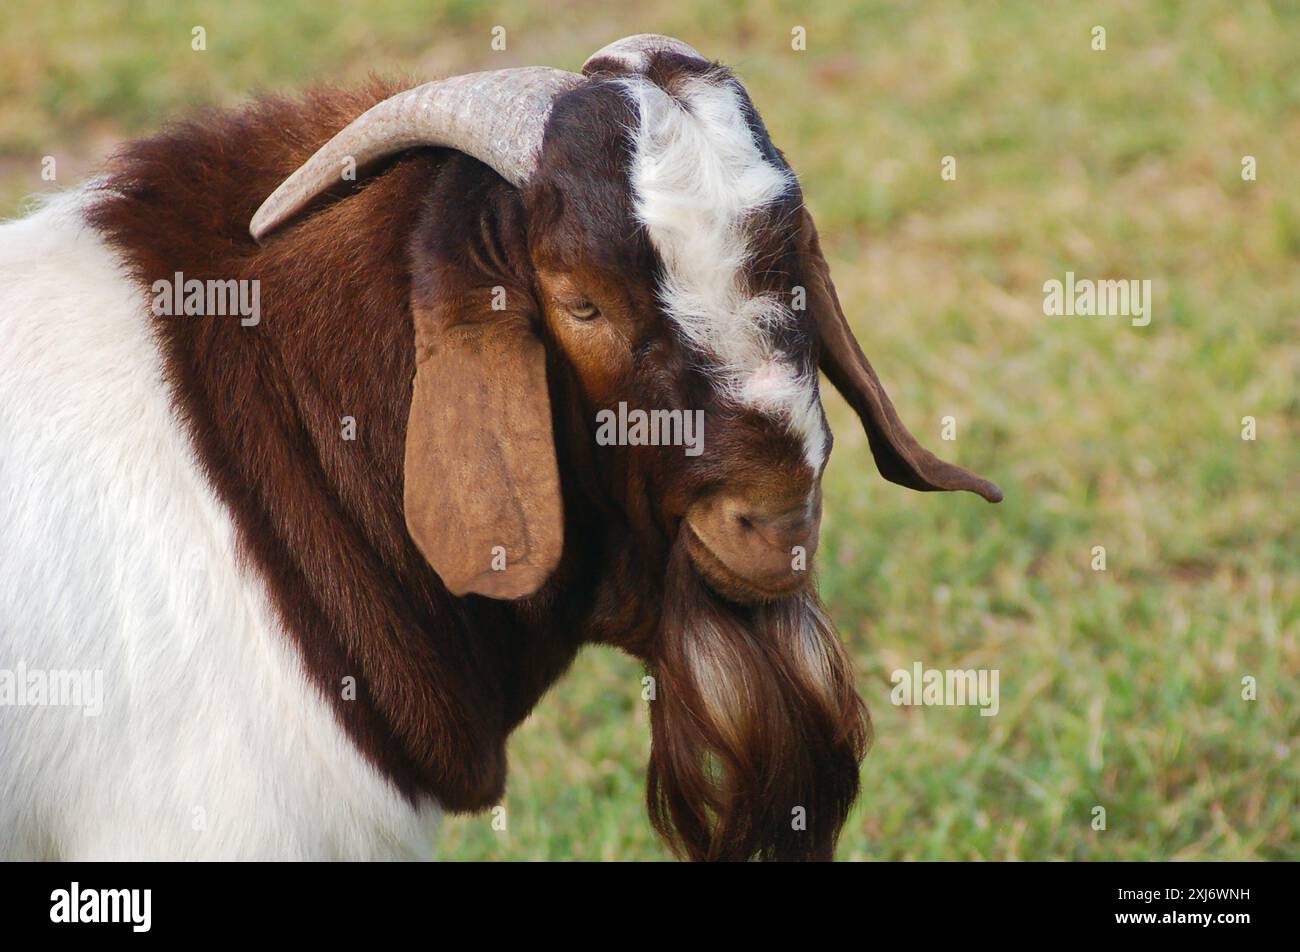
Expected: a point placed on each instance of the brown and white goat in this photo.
(311, 644)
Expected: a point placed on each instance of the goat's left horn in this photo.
(498, 117)
(632, 53)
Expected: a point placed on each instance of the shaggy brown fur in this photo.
(758, 730)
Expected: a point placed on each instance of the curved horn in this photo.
(633, 53)
(498, 117)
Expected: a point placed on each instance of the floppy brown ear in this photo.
(482, 489)
(899, 457)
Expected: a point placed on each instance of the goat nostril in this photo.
(777, 533)
(770, 527)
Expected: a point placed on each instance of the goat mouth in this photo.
(730, 584)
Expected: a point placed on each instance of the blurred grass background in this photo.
(1121, 688)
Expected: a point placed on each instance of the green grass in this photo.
(1119, 688)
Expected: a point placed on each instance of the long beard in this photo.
(757, 731)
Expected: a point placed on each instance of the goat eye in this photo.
(584, 311)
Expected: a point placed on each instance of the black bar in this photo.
(336, 901)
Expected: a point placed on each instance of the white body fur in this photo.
(116, 556)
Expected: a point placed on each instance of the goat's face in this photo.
(665, 233)
(656, 251)
(677, 271)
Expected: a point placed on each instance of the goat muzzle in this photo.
(754, 551)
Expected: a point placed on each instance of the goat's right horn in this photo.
(497, 117)
(632, 53)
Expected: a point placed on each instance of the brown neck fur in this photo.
(439, 682)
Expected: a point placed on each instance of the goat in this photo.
(314, 643)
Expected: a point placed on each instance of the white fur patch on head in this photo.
(698, 176)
